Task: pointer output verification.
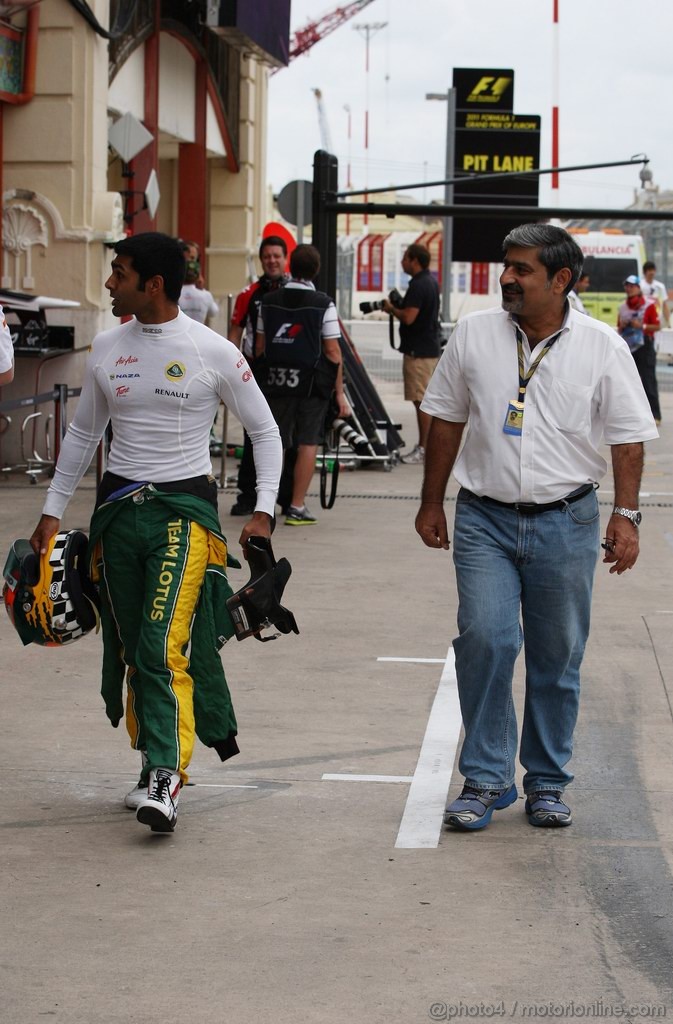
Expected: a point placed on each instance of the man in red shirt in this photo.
(638, 322)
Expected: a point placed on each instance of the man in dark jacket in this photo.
(298, 366)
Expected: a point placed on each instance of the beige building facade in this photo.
(200, 92)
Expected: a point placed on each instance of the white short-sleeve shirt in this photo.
(197, 303)
(585, 391)
(6, 347)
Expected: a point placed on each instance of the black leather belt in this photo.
(527, 508)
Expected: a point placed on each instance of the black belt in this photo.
(527, 508)
(204, 487)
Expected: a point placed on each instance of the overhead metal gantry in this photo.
(328, 204)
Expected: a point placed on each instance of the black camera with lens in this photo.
(394, 298)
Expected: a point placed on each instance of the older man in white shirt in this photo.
(539, 386)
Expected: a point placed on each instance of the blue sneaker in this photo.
(546, 809)
(474, 807)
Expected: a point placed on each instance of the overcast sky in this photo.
(615, 91)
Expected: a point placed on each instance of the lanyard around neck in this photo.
(524, 378)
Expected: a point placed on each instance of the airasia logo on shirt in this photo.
(126, 360)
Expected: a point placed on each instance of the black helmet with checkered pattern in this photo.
(50, 599)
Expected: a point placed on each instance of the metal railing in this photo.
(32, 463)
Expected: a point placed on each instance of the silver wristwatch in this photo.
(634, 515)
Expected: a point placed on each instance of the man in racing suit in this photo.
(159, 378)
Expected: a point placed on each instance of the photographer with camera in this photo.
(419, 337)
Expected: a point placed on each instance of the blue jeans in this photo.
(522, 579)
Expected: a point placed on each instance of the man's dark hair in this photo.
(304, 262)
(649, 265)
(273, 240)
(558, 249)
(420, 253)
(155, 253)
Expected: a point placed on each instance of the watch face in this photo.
(638, 518)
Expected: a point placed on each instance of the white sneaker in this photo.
(138, 794)
(159, 809)
(415, 456)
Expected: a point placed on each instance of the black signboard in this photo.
(262, 26)
(478, 89)
(34, 337)
(491, 139)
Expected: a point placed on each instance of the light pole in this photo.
(449, 97)
(349, 182)
(555, 99)
(366, 31)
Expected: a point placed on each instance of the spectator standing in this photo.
(273, 257)
(638, 322)
(655, 290)
(243, 328)
(527, 522)
(299, 366)
(419, 336)
(159, 554)
(575, 293)
(197, 303)
(192, 254)
(6, 351)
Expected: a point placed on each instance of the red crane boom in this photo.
(305, 38)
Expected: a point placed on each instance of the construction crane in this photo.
(325, 138)
(306, 37)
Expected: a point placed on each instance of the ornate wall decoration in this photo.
(23, 227)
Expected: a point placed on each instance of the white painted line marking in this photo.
(424, 811)
(418, 661)
(367, 778)
(218, 785)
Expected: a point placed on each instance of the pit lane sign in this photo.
(491, 139)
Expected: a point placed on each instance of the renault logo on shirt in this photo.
(174, 371)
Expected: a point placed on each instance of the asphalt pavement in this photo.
(309, 879)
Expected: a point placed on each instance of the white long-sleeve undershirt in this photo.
(160, 385)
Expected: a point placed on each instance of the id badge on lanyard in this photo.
(514, 419)
(513, 424)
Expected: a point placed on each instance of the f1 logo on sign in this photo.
(489, 89)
